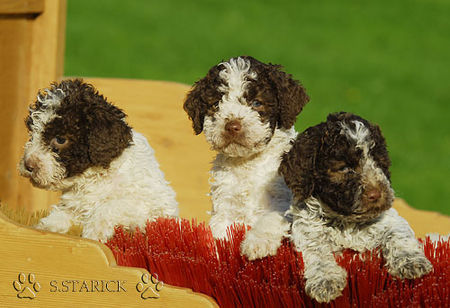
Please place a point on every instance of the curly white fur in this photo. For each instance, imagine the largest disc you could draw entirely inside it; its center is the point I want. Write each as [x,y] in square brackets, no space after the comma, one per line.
[49,171]
[319,231]
[236,76]
[243,190]
[318,239]
[131,191]
[245,184]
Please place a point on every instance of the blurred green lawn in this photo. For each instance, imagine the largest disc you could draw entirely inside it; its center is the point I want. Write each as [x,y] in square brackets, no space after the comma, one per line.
[388,61]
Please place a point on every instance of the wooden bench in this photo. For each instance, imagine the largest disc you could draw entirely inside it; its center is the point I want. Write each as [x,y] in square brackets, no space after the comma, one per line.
[32,47]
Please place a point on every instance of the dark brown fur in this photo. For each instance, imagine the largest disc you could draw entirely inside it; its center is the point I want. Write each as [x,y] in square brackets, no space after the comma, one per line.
[323,163]
[94,128]
[281,96]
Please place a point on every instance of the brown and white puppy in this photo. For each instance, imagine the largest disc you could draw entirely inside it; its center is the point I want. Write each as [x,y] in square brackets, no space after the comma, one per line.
[247,110]
[338,172]
[81,145]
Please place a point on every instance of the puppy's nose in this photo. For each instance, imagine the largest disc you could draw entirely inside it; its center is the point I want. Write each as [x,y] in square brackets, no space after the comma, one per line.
[29,164]
[373,194]
[233,127]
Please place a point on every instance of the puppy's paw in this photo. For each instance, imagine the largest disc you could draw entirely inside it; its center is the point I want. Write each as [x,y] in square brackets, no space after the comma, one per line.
[327,285]
[49,224]
[410,266]
[257,247]
[219,232]
[57,221]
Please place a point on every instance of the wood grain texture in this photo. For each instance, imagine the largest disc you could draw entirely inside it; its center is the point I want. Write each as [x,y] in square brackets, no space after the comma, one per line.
[423,222]
[31,56]
[55,260]
[21,6]
[14,72]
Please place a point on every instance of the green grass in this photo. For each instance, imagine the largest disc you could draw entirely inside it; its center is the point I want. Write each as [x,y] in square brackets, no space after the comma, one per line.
[388,61]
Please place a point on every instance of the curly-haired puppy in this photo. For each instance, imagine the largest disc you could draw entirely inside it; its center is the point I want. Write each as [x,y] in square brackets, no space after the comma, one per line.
[108,175]
[247,110]
[338,172]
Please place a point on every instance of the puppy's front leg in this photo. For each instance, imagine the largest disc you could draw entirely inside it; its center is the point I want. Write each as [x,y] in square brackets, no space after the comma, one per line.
[59,220]
[403,254]
[325,279]
[219,223]
[265,237]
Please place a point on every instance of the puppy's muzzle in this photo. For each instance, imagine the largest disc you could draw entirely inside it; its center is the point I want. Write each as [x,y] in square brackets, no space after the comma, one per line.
[373,194]
[30,163]
[29,166]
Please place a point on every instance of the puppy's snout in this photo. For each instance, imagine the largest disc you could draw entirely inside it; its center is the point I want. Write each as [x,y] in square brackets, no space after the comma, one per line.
[373,194]
[233,127]
[30,164]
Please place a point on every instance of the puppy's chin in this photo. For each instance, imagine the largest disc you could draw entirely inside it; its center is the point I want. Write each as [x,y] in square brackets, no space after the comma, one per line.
[53,186]
[238,148]
[363,210]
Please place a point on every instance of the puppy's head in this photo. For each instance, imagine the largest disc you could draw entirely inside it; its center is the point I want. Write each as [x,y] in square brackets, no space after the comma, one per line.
[345,164]
[71,127]
[241,102]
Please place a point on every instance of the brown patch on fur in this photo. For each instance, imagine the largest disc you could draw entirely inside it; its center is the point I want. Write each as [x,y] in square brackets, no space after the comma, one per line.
[323,163]
[203,99]
[282,98]
[95,129]
[337,171]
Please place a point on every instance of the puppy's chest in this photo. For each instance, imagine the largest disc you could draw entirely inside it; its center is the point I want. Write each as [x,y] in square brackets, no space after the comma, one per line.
[95,193]
[248,181]
[354,237]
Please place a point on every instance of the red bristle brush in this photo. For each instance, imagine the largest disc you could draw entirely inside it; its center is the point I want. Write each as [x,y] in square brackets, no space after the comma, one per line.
[185,254]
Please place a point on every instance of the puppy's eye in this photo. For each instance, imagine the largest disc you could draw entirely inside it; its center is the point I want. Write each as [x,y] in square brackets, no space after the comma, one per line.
[343,169]
[340,167]
[58,143]
[256,104]
[60,140]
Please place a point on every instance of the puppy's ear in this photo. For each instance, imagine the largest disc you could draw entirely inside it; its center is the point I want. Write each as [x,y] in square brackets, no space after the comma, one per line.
[195,106]
[298,165]
[108,133]
[196,102]
[291,96]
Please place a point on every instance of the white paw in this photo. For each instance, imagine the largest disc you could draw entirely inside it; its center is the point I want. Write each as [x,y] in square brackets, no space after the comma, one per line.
[327,285]
[410,266]
[256,247]
[219,231]
[48,224]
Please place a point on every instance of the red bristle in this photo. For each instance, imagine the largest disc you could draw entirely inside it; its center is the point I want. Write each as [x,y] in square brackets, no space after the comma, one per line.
[184,253]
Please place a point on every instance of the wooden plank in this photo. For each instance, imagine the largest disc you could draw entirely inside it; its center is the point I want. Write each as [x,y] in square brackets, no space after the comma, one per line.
[21,6]
[61,270]
[32,51]
[14,71]
[46,65]
[423,222]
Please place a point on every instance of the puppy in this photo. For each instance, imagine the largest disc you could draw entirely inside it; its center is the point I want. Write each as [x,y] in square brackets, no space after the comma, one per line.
[246,110]
[338,172]
[108,175]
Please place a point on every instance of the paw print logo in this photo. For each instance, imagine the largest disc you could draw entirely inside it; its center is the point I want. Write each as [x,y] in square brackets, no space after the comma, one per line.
[26,286]
[149,287]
